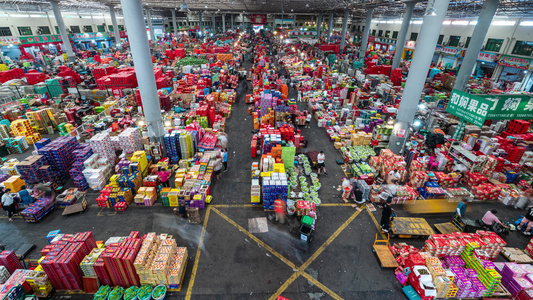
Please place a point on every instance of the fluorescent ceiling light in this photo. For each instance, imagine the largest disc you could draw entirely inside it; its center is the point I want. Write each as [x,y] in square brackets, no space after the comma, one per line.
[37,16]
[526,23]
[473,22]
[390,22]
[503,23]
[417,22]
[382,21]
[398,22]
[446,22]
[98,17]
[20,16]
[460,22]
[85,17]
[375,21]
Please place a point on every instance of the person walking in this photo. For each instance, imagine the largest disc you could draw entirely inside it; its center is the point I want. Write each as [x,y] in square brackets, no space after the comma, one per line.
[280,210]
[218,166]
[461,209]
[386,216]
[321,162]
[308,120]
[524,200]
[163,176]
[8,203]
[527,220]
[225,159]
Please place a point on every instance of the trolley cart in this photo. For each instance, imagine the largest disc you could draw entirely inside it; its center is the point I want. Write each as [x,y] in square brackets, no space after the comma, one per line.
[381,248]
[313,157]
[78,207]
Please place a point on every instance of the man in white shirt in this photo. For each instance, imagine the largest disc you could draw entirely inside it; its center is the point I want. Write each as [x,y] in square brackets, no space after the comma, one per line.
[308,120]
[321,160]
[8,203]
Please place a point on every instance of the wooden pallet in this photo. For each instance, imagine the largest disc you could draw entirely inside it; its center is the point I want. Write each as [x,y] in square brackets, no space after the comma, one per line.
[446,228]
[516,255]
[411,227]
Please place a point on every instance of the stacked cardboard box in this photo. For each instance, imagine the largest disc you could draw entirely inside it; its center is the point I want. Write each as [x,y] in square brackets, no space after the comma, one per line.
[62,260]
[9,260]
[119,259]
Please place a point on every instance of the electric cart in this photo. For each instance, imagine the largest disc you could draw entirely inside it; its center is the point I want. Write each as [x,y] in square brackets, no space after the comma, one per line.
[410,227]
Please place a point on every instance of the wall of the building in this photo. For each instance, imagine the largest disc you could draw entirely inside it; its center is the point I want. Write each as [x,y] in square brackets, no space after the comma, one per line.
[510,34]
[41,19]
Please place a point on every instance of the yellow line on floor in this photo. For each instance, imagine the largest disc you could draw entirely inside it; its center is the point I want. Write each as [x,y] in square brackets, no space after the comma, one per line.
[257,240]
[233,205]
[315,255]
[321,286]
[376,223]
[329,241]
[285,285]
[336,204]
[197,257]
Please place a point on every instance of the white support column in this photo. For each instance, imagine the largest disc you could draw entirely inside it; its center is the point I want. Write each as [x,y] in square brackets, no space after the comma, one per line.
[118,42]
[231,21]
[318,25]
[223,22]
[330,26]
[140,51]
[201,24]
[344,27]
[63,31]
[214,24]
[425,47]
[174,24]
[366,33]
[476,42]
[402,36]
[150,27]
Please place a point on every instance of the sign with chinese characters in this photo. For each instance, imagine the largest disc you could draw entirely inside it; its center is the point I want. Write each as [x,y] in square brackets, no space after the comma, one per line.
[510,107]
[91,36]
[40,39]
[471,108]
[410,45]
[6,41]
[258,19]
[448,50]
[514,61]
[487,56]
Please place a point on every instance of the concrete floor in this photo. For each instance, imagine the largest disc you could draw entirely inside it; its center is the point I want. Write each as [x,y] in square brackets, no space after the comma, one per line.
[233,264]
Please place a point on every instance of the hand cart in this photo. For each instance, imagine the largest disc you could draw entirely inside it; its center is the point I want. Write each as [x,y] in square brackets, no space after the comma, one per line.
[78,207]
[381,248]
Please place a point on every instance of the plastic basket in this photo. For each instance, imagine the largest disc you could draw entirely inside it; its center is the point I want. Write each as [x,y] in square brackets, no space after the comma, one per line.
[161,297]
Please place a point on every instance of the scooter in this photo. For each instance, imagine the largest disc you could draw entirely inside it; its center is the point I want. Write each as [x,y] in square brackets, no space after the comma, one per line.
[497,228]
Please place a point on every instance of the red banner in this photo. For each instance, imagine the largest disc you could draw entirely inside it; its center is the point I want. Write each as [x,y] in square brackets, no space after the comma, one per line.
[258,19]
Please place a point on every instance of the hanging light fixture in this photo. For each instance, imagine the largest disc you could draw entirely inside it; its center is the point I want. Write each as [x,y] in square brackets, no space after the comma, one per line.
[184,7]
[430,9]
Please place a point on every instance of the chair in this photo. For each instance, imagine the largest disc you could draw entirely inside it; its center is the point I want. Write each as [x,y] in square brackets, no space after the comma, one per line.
[433,163]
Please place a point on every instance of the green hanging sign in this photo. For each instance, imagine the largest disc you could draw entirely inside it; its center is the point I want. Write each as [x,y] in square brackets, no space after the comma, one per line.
[476,109]
[471,108]
[510,107]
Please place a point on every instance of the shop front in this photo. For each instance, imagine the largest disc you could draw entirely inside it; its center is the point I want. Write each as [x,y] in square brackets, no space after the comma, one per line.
[486,64]
[40,46]
[514,68]
[123,37]
[86,41]
[9,46]
[448,55]
[384,45]
[408,50]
